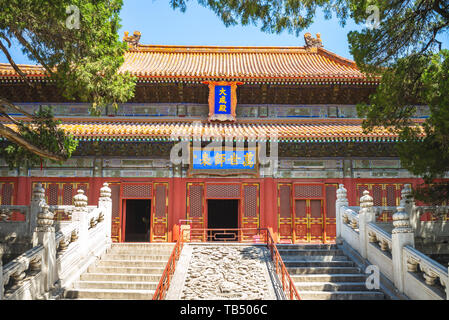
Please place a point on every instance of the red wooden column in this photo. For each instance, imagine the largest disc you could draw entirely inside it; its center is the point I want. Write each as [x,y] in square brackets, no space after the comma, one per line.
[269,200]
[351,189]
[23,191]
[95,184]
[177,203]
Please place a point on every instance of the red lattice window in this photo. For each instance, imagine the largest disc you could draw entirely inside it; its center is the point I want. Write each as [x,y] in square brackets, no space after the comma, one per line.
[161,201]
[300,209]
[377,195]
[285,203]
[196,201]
[331,198]
[136,191]
[67,195]
[223,191]
[315,209]
[250,200]
[52,194]
[115,196]
[392,195]
[308,191]
[7,190]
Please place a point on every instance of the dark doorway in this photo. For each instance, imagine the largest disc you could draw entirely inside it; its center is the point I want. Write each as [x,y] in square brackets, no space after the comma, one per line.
[138,215]
[223,214]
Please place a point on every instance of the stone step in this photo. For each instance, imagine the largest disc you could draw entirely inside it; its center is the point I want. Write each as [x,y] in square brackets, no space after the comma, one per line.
[313,263]
[322,270]
[109,294]
[131,263]
[331,286]
[154,252]
[347,277]
[314,258]
[126,269]
[306,246]
[116,285]
[142,246]
[120,277]
[141,249]
[344,295]
[136,257]
[313,252]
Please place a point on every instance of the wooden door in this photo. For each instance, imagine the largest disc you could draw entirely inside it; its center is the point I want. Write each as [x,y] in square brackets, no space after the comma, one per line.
[285,221]
[330,220]
[309,220]
[195,209]
[309,215]
[159,223]
[250,209]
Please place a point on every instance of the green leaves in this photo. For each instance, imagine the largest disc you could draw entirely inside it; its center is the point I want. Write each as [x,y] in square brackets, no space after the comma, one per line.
[43,133]
[84,61]
[424,150]
[77,42]
[275,16]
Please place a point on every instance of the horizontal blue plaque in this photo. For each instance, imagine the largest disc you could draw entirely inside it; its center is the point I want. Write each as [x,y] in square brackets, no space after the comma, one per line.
[224,160]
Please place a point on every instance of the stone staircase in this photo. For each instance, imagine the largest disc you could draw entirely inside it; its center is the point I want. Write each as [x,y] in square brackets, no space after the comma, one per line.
[324,272]
[127,271]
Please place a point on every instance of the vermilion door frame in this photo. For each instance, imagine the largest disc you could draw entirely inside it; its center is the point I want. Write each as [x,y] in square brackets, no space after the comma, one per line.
[308,217]
[206,207]
[123,206]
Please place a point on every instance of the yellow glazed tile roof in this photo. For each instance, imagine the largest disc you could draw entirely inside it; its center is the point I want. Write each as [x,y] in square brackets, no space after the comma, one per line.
[157,63]
[318,130]
[238,63]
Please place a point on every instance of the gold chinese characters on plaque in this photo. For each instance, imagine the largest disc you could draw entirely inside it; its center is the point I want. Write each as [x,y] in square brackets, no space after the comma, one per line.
[222,100]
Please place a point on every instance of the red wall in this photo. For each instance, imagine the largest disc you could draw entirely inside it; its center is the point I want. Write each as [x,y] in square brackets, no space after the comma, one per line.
[177,189]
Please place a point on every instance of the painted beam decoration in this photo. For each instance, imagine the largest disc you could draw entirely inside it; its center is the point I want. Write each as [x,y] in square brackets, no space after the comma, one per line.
[222,100]
[224,162]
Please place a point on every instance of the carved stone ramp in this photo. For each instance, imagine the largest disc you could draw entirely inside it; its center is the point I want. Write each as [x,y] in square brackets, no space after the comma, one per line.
[127,271]
[324,272]
[214,271]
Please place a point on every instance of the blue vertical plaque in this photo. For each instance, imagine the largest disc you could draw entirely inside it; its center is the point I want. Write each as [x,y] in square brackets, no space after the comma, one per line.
[222,100]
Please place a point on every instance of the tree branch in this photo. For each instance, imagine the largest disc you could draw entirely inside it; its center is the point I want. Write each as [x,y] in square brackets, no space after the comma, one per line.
[27,45]
[441,11]
[5,102]
[14,65]
[13,136]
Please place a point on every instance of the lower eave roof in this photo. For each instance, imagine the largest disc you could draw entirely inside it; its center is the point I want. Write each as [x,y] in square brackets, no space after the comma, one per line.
[309,130]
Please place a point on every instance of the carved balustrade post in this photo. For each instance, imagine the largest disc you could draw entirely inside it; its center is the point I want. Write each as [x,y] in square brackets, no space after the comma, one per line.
[45,235]
[408,203]
[402,235]
[366,215]
[342,200]
[105,202]
[79,215]
[37,202]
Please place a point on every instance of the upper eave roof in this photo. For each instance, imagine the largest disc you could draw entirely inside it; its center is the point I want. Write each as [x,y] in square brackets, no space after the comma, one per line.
[159,63]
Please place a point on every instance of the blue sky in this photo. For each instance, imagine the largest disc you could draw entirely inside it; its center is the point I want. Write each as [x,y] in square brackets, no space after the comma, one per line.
[160,24]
